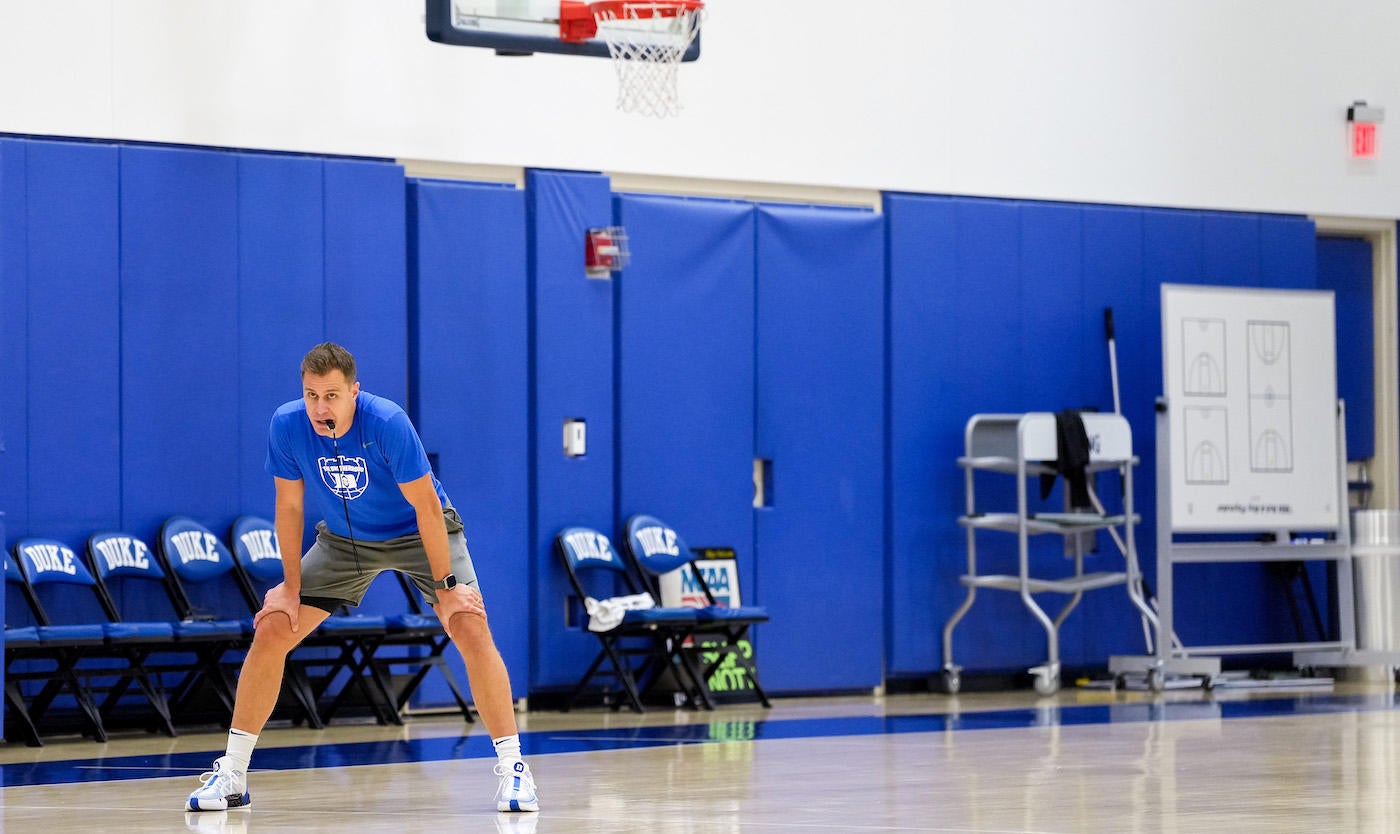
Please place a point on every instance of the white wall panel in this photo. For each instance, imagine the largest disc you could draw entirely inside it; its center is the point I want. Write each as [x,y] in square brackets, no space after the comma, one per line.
[1235,105]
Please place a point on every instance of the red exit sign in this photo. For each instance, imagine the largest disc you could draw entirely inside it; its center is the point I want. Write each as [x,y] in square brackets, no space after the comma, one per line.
[1365,140]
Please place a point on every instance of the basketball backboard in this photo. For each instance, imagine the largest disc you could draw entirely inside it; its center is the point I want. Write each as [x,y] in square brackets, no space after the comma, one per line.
[512,27]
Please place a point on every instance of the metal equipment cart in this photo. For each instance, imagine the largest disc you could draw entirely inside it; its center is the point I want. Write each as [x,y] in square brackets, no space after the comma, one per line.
[1027,446]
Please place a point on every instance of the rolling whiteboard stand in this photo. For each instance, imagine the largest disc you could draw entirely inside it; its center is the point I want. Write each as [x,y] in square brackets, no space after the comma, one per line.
[1251,439]
[1027,446]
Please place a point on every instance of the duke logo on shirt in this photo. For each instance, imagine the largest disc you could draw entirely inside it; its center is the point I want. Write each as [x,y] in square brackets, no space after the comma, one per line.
[346,477]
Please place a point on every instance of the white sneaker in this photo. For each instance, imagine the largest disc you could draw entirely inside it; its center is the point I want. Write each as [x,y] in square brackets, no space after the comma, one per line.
[224,788]
[517,790]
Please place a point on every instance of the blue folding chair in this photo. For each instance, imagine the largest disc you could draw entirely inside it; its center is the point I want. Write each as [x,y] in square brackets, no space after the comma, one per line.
[418,632]
[91,650]
[353,638]
[254,543]
[133,585]
[645,642]
[21,645]
[658,549]
[203,581]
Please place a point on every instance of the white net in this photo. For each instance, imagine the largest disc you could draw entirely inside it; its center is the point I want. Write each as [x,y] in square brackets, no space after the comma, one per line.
[647,41]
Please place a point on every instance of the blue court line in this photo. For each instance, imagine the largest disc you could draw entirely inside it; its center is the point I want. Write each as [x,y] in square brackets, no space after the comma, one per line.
[536,743]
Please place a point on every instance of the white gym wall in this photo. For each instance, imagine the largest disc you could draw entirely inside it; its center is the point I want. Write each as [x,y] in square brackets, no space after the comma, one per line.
[1196,103]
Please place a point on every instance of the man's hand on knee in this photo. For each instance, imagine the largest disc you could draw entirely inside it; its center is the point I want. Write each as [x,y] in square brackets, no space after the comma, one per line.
[463,599]
[280,598]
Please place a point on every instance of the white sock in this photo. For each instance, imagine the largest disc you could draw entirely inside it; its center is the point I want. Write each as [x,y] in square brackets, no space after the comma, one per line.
[507,748]
[240,749]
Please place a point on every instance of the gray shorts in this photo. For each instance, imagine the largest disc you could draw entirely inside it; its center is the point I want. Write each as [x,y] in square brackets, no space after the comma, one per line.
[332,573]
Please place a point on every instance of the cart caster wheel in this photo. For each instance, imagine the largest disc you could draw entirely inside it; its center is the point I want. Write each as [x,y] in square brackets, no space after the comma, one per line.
[952,682]
[1156,680]
[1046,684]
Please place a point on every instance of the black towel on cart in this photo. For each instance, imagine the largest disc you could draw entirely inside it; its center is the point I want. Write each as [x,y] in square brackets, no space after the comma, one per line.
[1072,461]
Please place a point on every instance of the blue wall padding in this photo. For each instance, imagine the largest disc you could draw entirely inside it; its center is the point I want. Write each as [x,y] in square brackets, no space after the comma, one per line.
[1289,260]
[179,328]
[178,282]
[181,288]
[988,291]
[1053,306]
[363,293]
[572,353]
[1240,603]
[1114,267]
[1114,270]
[926,494]
[1064,303]
[685,379]
[367,272]
[988,298]
[1231,249]
[1344,266]
[281,296]
[73,398]
[14,334]
[1288,253]
[1053,351]
[820,419]
[1025,254]
[1173,253]
[470,376]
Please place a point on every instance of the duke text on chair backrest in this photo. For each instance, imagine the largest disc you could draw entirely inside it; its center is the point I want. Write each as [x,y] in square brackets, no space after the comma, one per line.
[51,562]
[195,556]
[256,549]
[120,559]
[588,553]
[658,548]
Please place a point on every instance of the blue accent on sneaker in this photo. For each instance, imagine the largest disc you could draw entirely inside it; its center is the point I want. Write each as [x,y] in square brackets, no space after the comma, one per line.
[517,789]
[222,788]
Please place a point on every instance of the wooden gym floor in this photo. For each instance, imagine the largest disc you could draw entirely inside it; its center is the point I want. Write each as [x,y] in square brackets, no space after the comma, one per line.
[1322,759]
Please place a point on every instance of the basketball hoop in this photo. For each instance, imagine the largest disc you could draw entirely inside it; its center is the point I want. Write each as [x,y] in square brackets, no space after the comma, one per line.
[647,40]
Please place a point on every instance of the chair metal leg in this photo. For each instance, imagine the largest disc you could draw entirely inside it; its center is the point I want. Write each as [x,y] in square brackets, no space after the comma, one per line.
[87,706]
[382,669]
[14,696]
[355,660]
[699,680]
[587,676]
[155,696]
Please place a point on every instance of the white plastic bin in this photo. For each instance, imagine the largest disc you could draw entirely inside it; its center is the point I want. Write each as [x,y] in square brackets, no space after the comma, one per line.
[1375,544]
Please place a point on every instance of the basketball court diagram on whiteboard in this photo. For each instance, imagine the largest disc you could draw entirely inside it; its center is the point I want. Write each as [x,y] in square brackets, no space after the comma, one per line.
[1268,349]
[1270,396]
[1251,375]
[646,40]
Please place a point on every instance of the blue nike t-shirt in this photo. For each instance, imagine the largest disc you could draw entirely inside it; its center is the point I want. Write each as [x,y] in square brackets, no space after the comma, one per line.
[378,452]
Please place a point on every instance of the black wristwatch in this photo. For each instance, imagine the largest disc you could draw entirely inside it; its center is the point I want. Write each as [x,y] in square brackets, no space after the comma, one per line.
[446,583]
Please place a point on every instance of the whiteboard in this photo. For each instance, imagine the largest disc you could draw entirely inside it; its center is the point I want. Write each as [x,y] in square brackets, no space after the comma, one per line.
[1250,377]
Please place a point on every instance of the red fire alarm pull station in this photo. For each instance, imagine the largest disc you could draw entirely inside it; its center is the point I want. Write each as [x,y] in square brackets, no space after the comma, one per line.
[1363,130]
[606,251]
